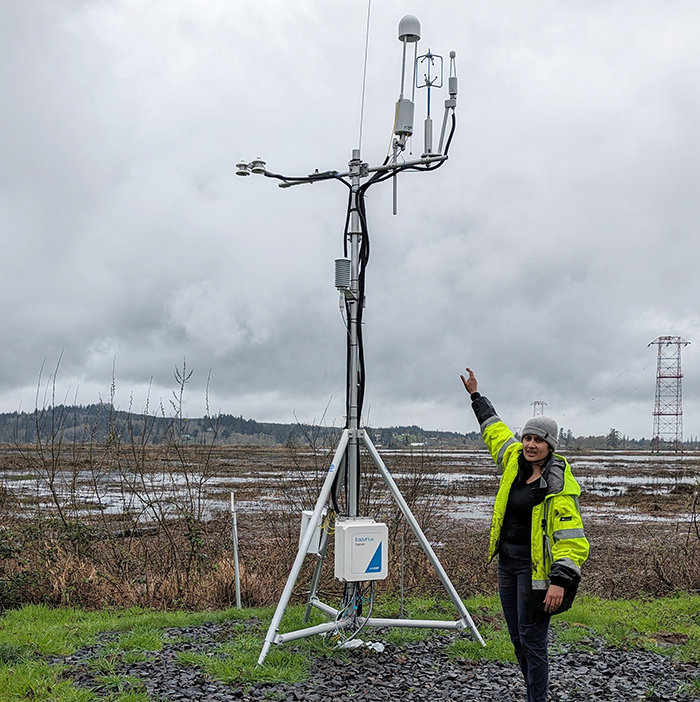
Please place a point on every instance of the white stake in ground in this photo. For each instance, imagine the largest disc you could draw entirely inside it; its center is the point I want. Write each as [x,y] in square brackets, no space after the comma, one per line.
[234,534]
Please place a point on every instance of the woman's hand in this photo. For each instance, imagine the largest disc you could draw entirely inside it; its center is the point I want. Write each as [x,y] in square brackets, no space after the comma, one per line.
[469,381]
[553,598]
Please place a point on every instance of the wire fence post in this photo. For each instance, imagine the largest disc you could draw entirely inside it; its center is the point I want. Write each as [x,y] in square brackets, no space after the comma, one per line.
[234,527]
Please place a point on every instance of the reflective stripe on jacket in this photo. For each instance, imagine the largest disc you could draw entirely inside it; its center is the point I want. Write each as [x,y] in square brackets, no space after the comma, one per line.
[558,543]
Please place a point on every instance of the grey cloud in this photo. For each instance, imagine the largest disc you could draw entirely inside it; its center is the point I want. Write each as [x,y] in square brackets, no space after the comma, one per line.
[557,241]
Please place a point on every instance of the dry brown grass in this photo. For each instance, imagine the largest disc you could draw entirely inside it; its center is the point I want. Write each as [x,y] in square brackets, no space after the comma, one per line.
[186,562]
[47,570]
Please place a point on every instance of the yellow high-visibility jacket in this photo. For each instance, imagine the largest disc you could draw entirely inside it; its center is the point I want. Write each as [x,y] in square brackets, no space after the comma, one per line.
[558,544]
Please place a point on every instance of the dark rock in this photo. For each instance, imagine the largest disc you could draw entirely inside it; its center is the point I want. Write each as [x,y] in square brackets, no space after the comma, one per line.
[415,672]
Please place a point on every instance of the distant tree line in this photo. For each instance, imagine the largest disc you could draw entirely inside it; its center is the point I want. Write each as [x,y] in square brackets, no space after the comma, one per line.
[102,423]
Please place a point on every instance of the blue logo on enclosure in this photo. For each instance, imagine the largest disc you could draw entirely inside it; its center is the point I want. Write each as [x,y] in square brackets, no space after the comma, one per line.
[375,565]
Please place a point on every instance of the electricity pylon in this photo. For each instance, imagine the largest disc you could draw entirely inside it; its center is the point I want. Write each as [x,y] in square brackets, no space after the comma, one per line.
[538,408]
[668,405]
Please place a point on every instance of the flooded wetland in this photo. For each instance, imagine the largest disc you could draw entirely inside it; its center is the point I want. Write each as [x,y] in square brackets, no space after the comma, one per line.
[641,511]
[615,486]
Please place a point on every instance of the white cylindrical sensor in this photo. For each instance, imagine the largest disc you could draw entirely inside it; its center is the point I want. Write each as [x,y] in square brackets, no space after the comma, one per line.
[342,273]
[428,135]
[404,117]
[452,85]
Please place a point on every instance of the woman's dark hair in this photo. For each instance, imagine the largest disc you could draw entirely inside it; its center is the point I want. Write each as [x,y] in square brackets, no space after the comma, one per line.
[525,469]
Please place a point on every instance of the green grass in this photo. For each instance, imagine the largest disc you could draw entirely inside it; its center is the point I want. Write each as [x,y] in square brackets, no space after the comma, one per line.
[691,688]
[142,638]
[627,624]
[235,662]
[40,630]
[38,681]
[33,632]
[29,634]
[633,623]
[120,684]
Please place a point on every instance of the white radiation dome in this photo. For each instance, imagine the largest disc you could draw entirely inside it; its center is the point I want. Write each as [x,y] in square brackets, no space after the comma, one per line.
[409,29]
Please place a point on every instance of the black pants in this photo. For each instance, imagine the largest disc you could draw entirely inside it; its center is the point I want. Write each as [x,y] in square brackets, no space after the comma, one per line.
[529,637]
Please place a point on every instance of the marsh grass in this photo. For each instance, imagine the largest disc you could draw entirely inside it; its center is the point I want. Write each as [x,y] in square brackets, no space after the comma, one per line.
[180,556]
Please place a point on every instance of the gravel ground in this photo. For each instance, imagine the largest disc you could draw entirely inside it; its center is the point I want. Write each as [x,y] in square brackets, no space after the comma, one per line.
[406,673]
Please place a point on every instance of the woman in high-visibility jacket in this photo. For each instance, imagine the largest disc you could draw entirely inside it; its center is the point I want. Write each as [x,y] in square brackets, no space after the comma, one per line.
[536,530]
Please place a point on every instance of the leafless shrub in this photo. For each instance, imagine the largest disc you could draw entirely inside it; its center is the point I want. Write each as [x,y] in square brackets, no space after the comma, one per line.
[672,559]
[154,547]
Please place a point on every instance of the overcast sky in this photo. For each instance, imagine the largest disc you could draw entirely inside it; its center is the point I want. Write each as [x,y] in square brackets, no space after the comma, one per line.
[557,242]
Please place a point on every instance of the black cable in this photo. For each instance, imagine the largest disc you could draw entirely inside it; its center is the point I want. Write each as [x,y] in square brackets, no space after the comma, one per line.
[380,177]
[300,180]
[347,225]
[447,145]
[364,260]
[348,302]
[359,206]
[356,204]
[452,132]
[347,351]
[334,496]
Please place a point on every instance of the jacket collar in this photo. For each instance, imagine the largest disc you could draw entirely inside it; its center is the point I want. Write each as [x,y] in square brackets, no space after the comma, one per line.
[552,478]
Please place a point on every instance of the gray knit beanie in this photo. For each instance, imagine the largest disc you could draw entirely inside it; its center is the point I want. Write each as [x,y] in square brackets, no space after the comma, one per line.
[544,427]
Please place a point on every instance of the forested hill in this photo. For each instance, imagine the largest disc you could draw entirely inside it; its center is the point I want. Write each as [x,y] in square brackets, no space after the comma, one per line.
[100,423]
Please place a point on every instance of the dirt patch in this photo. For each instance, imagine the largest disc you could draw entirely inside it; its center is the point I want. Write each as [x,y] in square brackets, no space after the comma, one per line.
[670,638]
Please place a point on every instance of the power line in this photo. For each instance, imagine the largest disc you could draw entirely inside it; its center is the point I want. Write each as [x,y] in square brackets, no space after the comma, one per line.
[600,397]
[601,407]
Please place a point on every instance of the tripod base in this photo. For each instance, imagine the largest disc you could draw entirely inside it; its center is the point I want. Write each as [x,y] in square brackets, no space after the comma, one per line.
[354,621]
